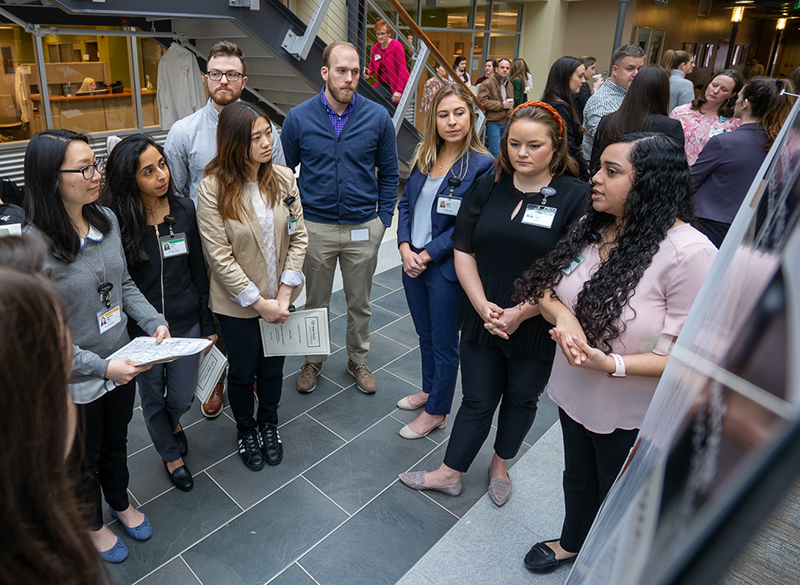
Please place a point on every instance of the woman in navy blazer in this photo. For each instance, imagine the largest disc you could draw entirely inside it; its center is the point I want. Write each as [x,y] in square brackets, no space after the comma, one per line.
[449,159]
[730,161]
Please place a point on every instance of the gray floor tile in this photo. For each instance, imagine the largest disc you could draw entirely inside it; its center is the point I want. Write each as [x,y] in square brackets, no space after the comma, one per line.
[381,351]
[360,470]
[485,549]
[338,303]
[179,520]
[351,412]
[414,577]
[174,572]
[394,302]
[408,367]
[391,279]
[304,443]
[294,575]
[402,331]
[383,320]
[147,476]
[275,532]
[378,291]
[138,437]
[293,403]
[366,549]
[475,482]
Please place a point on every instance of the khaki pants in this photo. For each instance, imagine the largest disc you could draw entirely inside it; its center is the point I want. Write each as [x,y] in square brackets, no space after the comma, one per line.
[327,243]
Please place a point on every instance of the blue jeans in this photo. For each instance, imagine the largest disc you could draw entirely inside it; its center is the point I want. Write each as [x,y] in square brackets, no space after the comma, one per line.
[493,134]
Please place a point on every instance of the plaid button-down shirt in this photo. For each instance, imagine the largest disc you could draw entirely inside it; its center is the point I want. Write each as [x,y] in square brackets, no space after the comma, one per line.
[337,120]
[604,101]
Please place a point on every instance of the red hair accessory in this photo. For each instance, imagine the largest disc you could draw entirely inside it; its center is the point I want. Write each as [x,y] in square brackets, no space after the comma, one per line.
[546,107]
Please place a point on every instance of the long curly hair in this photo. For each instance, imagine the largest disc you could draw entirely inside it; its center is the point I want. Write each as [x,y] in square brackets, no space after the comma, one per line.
[660,194]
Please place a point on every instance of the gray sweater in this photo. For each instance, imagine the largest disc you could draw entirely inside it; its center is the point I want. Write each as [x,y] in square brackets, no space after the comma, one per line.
[78,293]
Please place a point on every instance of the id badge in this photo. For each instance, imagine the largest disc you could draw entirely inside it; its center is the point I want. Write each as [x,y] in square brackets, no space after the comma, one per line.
[173,245]
[716,132]
[448,206]
[108,319]
[292,226]
[359,234]
[574,264]
[539,215]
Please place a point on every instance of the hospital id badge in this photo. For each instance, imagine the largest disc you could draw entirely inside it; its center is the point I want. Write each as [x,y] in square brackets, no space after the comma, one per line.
[574,264]
[292,226]
[173,245]
[108,319]
[448,205]
[539,215]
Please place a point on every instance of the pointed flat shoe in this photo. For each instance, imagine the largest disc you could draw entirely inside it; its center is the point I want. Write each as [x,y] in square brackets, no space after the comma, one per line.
[416,481]
[408,433]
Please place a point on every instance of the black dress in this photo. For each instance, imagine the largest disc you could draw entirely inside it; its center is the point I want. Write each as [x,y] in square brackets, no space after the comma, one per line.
[574,137]
[504,248]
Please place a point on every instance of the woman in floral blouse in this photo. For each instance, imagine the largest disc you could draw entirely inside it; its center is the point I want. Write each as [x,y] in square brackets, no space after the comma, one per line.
[711,113]
[431,87]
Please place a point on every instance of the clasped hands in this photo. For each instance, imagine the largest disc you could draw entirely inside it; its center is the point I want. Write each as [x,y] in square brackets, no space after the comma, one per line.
[569,336]
[413,264]
[501,322]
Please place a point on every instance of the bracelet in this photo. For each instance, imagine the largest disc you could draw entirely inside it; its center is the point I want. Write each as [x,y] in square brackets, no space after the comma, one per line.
[619,364]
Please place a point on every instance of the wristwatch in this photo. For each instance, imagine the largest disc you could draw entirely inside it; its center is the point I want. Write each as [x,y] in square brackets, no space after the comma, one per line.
[619,364]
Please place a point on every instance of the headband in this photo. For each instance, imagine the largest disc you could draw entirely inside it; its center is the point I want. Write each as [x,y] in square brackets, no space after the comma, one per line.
[547,108]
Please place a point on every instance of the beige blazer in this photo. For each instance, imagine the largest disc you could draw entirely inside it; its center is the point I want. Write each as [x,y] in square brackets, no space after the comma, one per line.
[235,250]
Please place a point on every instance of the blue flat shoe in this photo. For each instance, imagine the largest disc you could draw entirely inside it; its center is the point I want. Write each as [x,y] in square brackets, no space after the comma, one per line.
[141,532]
[116,554]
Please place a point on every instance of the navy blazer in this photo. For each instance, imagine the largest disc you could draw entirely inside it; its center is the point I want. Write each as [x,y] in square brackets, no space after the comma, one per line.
[724,171]
[440,248]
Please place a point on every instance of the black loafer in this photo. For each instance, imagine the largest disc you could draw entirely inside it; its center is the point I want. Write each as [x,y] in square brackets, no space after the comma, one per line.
[180,438]
[181,478]
[542,559]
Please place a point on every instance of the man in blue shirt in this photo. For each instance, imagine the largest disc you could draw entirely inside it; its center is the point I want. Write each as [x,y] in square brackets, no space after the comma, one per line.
[341,139]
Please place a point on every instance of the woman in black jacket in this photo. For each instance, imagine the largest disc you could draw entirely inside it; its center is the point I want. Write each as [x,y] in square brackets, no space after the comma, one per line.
[644,109]
[565,78]
[165,260]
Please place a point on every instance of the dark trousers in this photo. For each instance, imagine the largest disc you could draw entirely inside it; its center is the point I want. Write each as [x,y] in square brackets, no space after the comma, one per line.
[102,451]
[246,366]
[487,378]
[434,301]
[167,391]
[591,464]
[713,230]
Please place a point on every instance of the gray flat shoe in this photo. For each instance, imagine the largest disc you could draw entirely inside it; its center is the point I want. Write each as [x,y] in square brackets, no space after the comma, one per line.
[405,404]
[499,490]
[416,481]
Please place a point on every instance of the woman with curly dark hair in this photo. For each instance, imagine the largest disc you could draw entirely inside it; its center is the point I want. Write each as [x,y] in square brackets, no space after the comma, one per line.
[506,222]
[617,289]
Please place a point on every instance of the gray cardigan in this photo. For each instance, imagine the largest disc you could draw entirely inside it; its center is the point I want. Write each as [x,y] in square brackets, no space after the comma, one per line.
[681,90]
[77,288]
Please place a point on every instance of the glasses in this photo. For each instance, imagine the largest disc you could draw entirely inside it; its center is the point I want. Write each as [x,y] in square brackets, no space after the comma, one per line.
[88,170]
[233,76]
[383,34]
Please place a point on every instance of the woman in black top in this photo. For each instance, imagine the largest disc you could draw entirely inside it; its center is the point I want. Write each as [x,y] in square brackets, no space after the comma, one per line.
[506,222]
[165,260]
[565,78]
[644,109]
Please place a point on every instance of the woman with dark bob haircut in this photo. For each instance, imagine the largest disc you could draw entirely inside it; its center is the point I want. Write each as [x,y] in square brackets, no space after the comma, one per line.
[617,289]
[506,222]
[165,259]
[566,78]
[87,263]
[44,538]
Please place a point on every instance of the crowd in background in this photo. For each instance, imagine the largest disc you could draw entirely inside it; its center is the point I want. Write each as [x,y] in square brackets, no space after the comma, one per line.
[586,185]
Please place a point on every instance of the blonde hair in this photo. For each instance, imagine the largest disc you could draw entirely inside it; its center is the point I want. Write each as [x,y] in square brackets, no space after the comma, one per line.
[518,70]
[429,146]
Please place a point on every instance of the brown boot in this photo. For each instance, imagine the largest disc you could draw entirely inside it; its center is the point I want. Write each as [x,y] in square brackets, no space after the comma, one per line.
[213,406]
[364,378]
[307,379]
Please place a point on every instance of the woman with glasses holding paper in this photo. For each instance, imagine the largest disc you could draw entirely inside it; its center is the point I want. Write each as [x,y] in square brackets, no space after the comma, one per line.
[165,258]
[251,223]
[87,262]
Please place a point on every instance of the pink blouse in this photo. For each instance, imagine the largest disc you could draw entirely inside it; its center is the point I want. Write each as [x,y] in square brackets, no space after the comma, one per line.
[389,65]
[657,310]
[698,129]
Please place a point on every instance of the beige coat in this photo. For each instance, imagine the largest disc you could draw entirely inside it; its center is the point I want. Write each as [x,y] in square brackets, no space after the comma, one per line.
[235,250]
[491,96]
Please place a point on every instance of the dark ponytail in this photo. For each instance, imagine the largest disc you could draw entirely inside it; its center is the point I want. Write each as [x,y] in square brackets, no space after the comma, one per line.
[768,105]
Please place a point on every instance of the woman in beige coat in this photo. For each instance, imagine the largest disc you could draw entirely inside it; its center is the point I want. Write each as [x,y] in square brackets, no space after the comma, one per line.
[251,223]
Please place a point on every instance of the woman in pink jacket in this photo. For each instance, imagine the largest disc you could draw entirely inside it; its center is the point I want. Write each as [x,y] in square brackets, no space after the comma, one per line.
[387,62]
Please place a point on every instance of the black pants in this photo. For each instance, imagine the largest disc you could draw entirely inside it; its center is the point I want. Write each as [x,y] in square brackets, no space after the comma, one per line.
[246,366]
[591,464]
[713,230]
[102,452]
[487,378]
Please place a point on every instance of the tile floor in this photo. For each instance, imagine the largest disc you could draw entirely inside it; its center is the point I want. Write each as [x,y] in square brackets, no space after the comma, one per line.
[333,512]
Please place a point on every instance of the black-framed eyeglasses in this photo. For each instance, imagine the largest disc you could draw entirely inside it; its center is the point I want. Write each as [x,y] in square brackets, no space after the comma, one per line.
[88,170]
[233,76]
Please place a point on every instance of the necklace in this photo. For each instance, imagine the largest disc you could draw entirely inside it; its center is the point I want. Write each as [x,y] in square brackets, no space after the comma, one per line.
[104,287]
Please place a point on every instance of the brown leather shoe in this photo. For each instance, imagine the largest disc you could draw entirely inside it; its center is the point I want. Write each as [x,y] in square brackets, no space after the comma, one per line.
[213,406]
[307,379]
[364,378]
